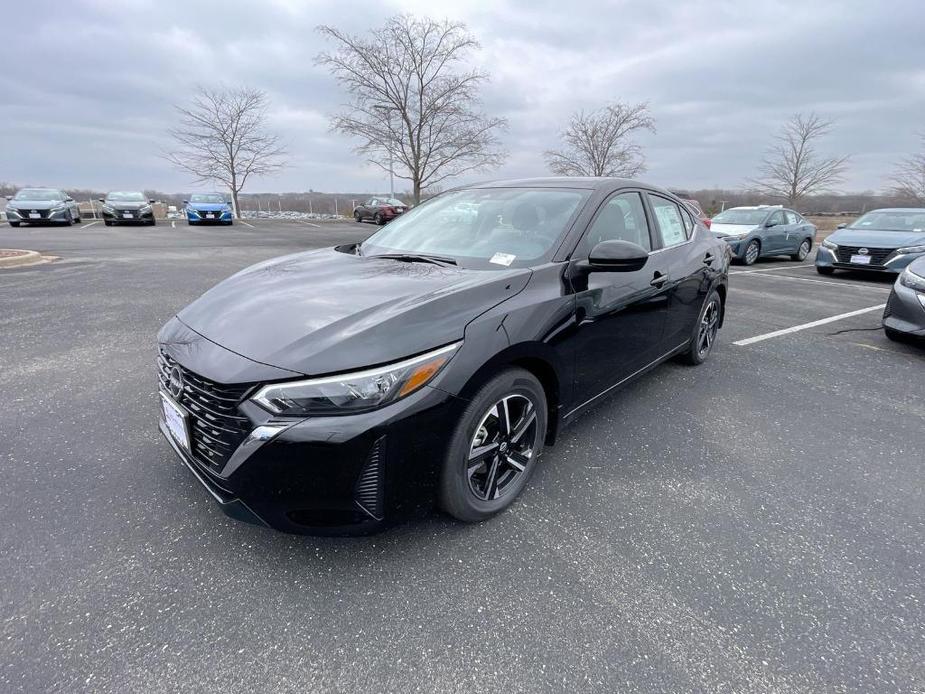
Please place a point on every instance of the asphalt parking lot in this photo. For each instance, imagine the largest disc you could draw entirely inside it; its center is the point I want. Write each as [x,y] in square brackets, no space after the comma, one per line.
[754,524]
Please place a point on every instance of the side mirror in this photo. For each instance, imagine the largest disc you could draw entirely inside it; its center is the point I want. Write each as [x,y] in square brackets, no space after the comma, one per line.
[9,197]
[102,199]
[151,202]
[68,199]
[616,256]
[770,223]
[186,202]
[842,225]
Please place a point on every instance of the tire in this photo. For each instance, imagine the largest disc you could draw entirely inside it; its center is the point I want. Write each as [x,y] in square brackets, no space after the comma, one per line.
[191,223]
[896,335]
[750,256]
[69,222]
[357,217]
[494,483]
[705,330]
[152,223]
[107,222]
[14,224]
[803,251]
[823,270]
[378,219]
[78,220]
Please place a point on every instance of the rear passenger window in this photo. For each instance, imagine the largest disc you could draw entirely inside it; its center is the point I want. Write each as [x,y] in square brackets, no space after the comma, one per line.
[621,219]
[793,217]
[670,221]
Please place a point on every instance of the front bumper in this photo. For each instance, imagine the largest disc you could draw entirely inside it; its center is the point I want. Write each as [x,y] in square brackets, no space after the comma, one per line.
[894,263]
[24,215]
[201,216]
[325,475]
[905,311]
[118,216]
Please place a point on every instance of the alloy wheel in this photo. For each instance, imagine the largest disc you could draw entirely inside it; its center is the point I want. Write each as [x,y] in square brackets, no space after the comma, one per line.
[709,326]
[751,253]
[804,250]
[502,448]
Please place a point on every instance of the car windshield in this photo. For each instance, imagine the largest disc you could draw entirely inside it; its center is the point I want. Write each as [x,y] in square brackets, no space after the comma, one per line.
[892,220]
[207,197]
[126,197]
[738,215]
[483,227]
[39,194]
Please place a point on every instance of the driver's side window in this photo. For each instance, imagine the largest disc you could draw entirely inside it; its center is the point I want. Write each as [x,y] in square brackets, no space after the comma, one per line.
[776,219]
[622,218]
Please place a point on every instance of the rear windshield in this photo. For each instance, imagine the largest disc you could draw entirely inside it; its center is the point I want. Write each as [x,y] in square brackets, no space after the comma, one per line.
[892,220]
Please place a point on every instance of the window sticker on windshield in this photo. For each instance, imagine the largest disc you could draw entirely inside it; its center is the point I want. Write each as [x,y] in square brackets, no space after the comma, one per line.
[504,259]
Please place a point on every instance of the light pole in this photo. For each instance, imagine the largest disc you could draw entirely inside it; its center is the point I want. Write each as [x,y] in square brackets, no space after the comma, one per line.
[388,111]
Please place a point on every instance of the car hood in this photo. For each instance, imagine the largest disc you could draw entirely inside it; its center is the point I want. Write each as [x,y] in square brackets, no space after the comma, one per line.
[120,205]
[325,311]
[727,229]
[35,204]
[208,206]
[877,239]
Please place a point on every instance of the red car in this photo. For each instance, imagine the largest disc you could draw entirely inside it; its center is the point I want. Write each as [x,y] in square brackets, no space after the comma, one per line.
[379,210]
[695,209]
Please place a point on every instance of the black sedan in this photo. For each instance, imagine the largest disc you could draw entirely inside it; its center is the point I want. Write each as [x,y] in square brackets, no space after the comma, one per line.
[379,210]
[328,390]
[127,207]
[904,315]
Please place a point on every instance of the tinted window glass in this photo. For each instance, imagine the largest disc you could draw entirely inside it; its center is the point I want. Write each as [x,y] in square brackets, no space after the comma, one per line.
[670,222]
[622,218]
[777,218]
[688,221]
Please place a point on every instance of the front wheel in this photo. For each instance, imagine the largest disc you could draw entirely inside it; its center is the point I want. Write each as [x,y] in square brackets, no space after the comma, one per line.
[705,331]
[752,251]
[494,447]
[378,219]
[14,224]
[824,270]
[802,251]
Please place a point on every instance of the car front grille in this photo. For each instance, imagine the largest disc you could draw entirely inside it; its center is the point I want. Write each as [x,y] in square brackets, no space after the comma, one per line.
[877,255]
[216,427]
[43,214]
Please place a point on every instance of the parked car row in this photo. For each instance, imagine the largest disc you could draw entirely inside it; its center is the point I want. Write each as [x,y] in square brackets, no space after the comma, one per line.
[53,206]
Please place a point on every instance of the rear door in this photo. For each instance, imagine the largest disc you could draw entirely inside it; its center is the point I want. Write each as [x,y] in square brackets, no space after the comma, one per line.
[686,261]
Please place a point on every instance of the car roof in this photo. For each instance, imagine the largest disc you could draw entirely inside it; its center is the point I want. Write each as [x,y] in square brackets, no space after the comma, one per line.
[584,182]
[918,210]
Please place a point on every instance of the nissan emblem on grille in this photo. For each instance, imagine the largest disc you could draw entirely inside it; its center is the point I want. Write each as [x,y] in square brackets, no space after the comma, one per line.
[175,384]
[863,251]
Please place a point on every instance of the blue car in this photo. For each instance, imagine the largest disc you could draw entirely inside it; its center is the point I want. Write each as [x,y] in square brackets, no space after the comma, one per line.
[757,232]
[884,240]
[208,208]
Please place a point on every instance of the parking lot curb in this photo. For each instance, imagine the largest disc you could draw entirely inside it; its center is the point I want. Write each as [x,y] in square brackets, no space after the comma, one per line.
[13,257]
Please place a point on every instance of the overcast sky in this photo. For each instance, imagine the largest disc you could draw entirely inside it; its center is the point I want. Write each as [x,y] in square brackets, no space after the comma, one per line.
[87,87]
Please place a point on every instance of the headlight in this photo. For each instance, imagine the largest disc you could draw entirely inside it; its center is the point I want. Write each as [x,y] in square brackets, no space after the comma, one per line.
[909,279]
[107,208]
[189,210]
[359,391]
[830,245]
[144,208]
[58,208]
[911,249]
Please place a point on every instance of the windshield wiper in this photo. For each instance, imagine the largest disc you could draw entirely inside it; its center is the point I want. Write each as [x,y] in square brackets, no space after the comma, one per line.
[416,258]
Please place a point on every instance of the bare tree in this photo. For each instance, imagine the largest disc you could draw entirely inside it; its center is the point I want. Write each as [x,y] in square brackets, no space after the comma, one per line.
[222,137]
[792,169]
[909,177]
[598,144]
[410,104]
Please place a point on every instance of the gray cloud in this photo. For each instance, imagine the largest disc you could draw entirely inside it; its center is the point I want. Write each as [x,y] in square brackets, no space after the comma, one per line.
[87,91]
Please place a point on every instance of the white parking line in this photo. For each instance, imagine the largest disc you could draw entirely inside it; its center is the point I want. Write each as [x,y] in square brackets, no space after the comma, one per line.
[806,326]
[771,269]
[90,224]
[246,224]
[317,226]
[850,285]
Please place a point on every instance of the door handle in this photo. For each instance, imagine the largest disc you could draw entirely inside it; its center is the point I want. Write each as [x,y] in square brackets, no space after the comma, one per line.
[659,279]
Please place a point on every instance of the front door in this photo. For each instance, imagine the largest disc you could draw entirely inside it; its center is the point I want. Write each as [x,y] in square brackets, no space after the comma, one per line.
[620,315]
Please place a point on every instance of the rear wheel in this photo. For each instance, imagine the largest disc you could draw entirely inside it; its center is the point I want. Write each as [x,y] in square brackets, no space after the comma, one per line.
[752,252]
[494,447]
[705,331]
[823,270]
[802,251]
